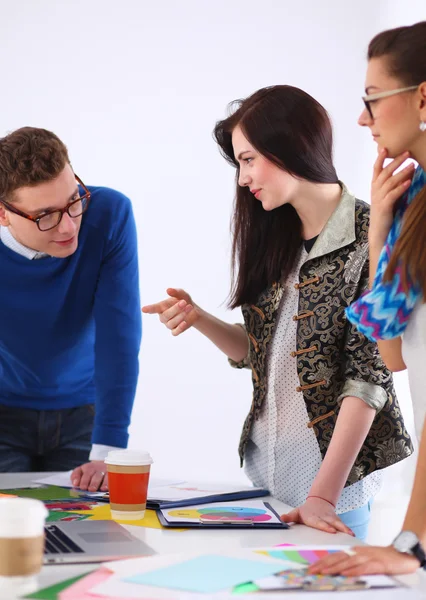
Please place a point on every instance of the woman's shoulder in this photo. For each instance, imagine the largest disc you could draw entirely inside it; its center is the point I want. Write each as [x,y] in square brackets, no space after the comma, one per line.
[353,206]
[362,209]
[362,220]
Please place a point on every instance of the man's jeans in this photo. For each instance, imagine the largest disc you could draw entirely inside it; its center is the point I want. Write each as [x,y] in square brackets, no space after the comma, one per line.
[44,440]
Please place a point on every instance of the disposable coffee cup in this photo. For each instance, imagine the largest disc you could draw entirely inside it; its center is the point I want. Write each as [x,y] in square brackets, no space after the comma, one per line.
[21,545]
[128,477]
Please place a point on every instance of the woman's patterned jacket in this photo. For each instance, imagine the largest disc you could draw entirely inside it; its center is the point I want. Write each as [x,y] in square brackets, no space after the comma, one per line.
[333,359]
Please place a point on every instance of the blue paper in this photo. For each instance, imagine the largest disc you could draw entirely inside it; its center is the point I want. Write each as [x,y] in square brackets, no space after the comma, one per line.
[206,574]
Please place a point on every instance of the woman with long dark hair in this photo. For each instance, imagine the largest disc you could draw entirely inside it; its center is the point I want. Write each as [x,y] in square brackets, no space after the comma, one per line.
[393,312]
[324,419]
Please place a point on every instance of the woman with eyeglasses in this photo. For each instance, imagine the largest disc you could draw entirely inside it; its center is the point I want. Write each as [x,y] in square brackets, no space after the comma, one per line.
[393,312]
[324,419]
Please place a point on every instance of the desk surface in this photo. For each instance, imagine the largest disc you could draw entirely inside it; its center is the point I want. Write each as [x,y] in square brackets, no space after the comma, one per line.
[165,541]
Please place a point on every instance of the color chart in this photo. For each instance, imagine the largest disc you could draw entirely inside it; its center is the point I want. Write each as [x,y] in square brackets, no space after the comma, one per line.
[257,512]
[301,556]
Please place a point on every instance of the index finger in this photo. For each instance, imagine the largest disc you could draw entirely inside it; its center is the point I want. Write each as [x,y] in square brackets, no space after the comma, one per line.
[332,560]
[378,163]
[88,472]
[76,476]
[95,481]
[319,523]
[159,307]
[104,487]
[340,526]
[387,171]
[341,566]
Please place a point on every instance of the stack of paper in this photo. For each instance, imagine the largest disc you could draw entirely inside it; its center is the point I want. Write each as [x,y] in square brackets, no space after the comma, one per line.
[192,576]
[163,493]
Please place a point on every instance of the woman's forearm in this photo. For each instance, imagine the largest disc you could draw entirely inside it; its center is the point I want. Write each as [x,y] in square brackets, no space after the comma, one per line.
[231,339]
[374,250]
[391,353]
[415,519]
[390,350]
[352,426]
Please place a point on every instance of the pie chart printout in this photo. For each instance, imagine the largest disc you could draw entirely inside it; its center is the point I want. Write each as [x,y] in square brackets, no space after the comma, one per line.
[223,513]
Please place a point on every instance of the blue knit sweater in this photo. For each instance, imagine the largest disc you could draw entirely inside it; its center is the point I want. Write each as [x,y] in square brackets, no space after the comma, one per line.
[70,328]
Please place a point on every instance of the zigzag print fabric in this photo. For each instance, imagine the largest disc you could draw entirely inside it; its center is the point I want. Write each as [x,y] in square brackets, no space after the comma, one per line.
[382,313]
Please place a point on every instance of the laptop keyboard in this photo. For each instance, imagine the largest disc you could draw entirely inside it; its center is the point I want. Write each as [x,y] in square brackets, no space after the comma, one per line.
[59,543]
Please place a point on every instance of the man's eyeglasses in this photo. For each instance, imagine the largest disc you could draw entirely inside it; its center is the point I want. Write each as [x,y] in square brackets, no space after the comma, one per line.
[51,219]
[373,97]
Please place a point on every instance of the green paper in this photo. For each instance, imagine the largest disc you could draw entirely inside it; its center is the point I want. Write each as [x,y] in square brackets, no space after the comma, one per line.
[58,515]
[52,492]
[295,557]
[52,592]
[245,588]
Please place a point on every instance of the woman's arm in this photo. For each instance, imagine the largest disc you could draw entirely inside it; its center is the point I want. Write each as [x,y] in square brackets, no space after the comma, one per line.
[390,350]
[179,313]
[352,426]
[386,189]
[415,519]
[364,394]
[371,560]
[231,339]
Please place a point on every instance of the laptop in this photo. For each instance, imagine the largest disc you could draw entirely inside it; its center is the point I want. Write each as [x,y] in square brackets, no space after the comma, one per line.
[90,541]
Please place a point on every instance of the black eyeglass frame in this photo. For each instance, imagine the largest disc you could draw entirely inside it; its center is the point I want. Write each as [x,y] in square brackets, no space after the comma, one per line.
[387,94]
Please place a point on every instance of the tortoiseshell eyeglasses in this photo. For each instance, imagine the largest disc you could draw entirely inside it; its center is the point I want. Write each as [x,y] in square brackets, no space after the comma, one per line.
[51,219]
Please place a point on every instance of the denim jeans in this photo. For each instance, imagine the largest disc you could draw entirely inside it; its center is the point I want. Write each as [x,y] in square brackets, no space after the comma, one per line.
[358,520]
[44,440]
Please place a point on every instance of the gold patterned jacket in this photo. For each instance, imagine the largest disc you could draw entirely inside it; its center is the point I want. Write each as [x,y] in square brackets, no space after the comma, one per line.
[334,360]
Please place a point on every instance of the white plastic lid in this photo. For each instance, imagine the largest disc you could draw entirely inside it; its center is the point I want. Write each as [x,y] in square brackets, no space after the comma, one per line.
[21,517]
[128,458]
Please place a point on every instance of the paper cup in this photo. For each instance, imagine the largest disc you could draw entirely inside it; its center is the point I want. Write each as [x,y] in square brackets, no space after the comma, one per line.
[21,544]
[128,477]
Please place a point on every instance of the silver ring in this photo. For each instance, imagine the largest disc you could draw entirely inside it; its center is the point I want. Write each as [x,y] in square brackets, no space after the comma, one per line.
[349,551]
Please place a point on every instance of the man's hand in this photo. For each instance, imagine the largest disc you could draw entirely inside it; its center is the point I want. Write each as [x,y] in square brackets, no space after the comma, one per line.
[91,476]
[366,560]
[318,514]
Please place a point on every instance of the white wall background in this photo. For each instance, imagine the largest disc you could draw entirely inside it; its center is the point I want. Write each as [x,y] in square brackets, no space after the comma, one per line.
[134,89]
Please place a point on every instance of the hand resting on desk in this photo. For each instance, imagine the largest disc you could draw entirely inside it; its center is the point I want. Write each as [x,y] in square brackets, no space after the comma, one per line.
[91,476]
[318,514]
[366,560]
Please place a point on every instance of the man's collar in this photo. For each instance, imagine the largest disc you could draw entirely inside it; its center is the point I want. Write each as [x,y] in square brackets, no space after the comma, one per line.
[13,244]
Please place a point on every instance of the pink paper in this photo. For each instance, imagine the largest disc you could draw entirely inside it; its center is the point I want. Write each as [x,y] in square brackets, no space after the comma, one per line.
[280,545]
[80,590]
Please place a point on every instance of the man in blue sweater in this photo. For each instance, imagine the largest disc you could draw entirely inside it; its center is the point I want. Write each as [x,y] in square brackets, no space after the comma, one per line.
[70,321]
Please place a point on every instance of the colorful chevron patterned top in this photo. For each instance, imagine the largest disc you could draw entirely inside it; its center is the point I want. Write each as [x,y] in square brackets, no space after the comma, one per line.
[382,313]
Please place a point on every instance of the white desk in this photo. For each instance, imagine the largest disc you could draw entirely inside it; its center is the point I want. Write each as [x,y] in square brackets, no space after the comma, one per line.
[167,541]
